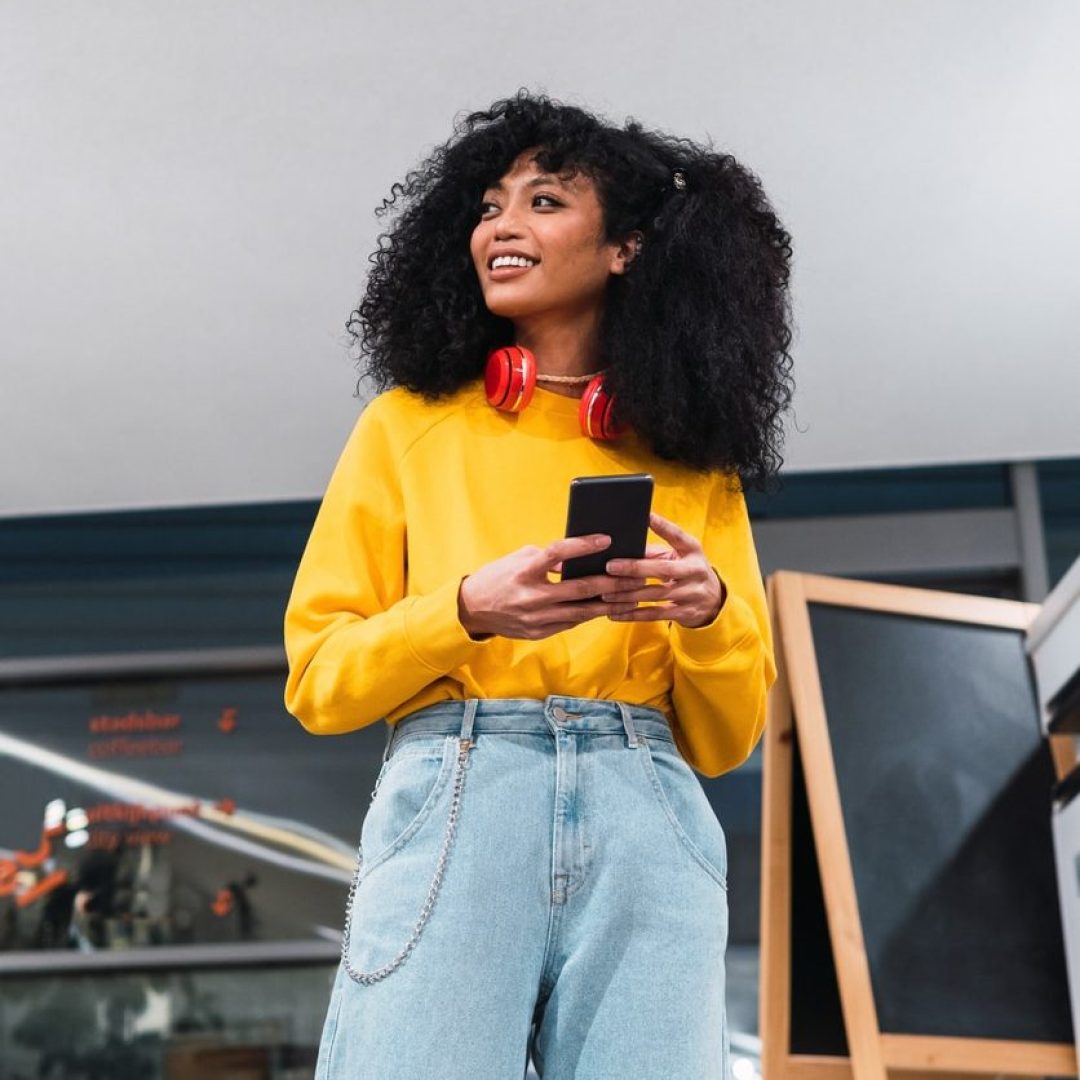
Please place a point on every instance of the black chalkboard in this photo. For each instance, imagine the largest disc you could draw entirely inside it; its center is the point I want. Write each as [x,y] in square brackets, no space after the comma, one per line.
[817,1019]
[944,782]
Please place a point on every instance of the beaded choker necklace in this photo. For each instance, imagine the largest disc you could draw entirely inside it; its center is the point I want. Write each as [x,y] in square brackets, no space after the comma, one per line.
[573,379]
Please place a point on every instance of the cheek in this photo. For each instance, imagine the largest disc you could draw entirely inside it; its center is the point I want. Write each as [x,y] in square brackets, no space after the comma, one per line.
[585,269]
[478,245]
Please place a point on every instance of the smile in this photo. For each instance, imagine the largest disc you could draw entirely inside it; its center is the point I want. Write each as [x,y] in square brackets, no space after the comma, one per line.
[512,260]
[509,270]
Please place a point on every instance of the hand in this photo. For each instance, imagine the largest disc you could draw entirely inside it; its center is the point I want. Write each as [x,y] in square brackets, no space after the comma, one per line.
[513,596]
[691,592]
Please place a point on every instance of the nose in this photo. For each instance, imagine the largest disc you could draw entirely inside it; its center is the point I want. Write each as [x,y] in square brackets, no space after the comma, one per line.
[508,223]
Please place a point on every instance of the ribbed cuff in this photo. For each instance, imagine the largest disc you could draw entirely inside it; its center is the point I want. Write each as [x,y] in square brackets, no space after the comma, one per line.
[434,631]
[707,644]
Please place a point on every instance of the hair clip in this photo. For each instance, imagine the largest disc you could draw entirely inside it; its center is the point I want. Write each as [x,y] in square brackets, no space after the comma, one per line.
[678,178]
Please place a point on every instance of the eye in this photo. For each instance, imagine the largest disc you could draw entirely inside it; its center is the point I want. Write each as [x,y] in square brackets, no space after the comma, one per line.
[550,198]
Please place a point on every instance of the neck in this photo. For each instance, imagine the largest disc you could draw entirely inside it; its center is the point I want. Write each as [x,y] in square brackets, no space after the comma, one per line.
[567,346]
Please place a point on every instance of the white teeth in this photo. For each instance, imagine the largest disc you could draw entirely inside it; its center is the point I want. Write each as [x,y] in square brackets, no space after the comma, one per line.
[511,260]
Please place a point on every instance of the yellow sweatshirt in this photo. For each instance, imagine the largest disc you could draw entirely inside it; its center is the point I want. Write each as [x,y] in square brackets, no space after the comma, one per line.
[426,493]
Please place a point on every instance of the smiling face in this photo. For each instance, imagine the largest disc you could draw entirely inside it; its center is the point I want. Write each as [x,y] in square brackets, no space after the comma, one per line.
[556,224]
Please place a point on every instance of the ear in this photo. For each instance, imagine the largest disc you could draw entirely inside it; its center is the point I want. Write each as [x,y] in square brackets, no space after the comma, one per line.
[627,252]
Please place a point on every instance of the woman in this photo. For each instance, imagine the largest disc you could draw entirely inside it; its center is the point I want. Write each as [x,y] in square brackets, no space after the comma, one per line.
[540,870]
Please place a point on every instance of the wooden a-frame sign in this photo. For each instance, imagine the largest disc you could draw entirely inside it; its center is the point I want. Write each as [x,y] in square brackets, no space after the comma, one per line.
[798,748]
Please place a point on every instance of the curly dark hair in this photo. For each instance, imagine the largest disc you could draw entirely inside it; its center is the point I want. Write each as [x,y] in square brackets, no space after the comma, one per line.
[695,335]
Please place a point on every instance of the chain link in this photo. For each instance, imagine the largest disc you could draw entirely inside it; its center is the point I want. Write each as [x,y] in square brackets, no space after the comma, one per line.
[368,977]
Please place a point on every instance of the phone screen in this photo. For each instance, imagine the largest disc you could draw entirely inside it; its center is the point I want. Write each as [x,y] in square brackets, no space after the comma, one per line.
[616,505]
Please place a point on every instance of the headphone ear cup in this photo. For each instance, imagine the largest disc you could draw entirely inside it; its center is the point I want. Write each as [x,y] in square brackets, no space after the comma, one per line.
[510,378]
[596,413]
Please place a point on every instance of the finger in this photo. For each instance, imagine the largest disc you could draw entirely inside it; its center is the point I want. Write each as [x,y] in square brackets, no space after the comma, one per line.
[617,587]
[657,613]
[648,592]
[668,569]
[562,592]
[678,538]
[659,551]
[601,611]
[576,613]
[571,546]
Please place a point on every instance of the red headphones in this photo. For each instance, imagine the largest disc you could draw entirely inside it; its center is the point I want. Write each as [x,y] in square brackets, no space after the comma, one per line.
[509,381]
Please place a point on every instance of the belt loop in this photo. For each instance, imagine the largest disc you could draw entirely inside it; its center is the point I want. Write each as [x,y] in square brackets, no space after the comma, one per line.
[390,729]
[467,720]
[632,738]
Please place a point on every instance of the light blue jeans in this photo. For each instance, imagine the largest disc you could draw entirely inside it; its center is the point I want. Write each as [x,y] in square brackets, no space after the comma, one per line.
[541,876]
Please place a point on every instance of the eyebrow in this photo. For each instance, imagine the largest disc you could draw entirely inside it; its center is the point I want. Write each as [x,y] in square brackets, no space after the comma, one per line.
[536,181]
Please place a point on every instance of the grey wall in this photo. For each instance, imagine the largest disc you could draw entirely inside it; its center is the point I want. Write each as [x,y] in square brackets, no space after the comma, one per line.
[186,197]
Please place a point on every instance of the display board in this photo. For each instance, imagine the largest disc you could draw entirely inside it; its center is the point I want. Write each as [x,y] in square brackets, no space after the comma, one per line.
[922,776]
[177,809]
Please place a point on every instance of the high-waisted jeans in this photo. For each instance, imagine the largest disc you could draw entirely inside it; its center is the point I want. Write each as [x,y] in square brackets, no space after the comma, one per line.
[541,876]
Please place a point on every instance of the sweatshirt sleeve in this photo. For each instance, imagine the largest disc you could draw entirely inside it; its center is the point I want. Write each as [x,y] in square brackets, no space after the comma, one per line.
[357,646]
[723,670]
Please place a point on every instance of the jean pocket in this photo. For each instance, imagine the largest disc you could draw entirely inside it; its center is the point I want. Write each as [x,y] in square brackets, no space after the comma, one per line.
[392,895]
[406,792]
[687,808]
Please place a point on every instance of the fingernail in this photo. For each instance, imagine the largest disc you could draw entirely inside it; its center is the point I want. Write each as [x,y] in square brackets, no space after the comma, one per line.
[614,566]
[602,541]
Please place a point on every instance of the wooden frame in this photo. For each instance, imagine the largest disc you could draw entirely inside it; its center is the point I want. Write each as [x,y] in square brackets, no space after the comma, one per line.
[872,1054]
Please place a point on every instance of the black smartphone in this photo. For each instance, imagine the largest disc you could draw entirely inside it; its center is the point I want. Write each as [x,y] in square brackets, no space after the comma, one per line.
[615,505]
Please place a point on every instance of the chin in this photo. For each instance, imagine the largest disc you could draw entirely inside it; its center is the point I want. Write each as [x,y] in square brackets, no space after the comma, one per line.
[508,308]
